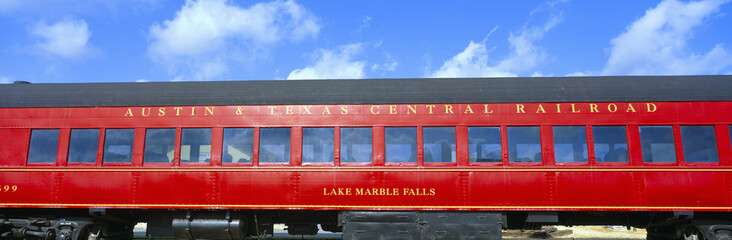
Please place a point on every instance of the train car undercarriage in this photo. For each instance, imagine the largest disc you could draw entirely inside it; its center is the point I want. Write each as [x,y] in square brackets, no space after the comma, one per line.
[71,224]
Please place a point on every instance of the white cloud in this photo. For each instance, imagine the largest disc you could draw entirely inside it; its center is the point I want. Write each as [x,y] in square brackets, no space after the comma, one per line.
[656,43]
[524,56]
[4,79]
[67,38]
[203,33]
[333,64]
[389,66]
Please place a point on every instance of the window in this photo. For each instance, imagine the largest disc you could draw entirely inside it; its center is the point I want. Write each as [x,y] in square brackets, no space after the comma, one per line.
[699,144]
[43,146]
[118,145]
[611,143]
[524,144]
[238,145]
[159,145]
[274,145]
[570,144]
[83,145]
[657,143]
[195,145]
[439,144]
[401,144]
[317,145]
[356,145]
[730,132]
[484,144]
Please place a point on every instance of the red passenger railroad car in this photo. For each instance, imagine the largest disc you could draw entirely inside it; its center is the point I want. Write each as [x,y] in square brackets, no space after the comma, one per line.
[385,158]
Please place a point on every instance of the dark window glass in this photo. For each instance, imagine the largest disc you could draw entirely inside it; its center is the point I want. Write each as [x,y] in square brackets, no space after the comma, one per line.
[570,144]
[401,144]
[274,145]
[83,145]
[356,145]
[484,144]
[238,145]
[699,143]
[159,145]
[730,132]
[118,145]
[195,145]
[439,144]
[657,143]
[43,146]
[524,144]
[317,145]
[611,143]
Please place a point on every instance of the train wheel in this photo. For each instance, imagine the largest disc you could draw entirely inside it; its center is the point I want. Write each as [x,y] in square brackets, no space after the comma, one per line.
[692,233]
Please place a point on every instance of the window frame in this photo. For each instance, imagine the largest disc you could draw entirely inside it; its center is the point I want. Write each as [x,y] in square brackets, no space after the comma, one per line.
[418,142]
[292,150]
[544,136]
[680,149]
[421,152]
[676,141]
[132,148]
[179,145]
[318,164]
[628,142]
[338,141]
[255,144]
[100,149]
[59,144]
[176,149]
[587,141]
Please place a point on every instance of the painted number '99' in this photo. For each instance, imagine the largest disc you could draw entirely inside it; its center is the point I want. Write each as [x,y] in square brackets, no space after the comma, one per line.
[8,188]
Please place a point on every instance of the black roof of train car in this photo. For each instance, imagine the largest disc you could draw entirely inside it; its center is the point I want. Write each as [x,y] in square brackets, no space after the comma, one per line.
[371,91]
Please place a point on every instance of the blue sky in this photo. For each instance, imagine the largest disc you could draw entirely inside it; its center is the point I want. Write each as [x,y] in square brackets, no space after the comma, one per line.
[54,41]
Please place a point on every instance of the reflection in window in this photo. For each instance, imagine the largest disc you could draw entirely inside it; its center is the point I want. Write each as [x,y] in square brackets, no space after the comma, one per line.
[356,145]
[118,145]
[570,144]
[238,145]
[611,143]
[159,145]
[195,145]
[401,144]
[317,145]
[484,144]
[43,146]
[657,143]
[83,145]
[439,144]
[274,145]
[524,144]
[699,143]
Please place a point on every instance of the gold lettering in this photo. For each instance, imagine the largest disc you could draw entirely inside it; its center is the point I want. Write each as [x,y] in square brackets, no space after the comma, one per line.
[325,111]
[412,108]
[540,109]
[372,109]
[520,108]
[593,108]
[193,111]
[485,107]
[630,108]
[574,110]
[468,109]
[430,107]
[448,109]
[559,109]
[653,109]
[148,112]
[209,110]
[272,109]
[344,110]
[288,110]
[239,111]
[161,112]
[177,110]
[392,109]
[307,109]
[129,113]
[612,107]
[432,192]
